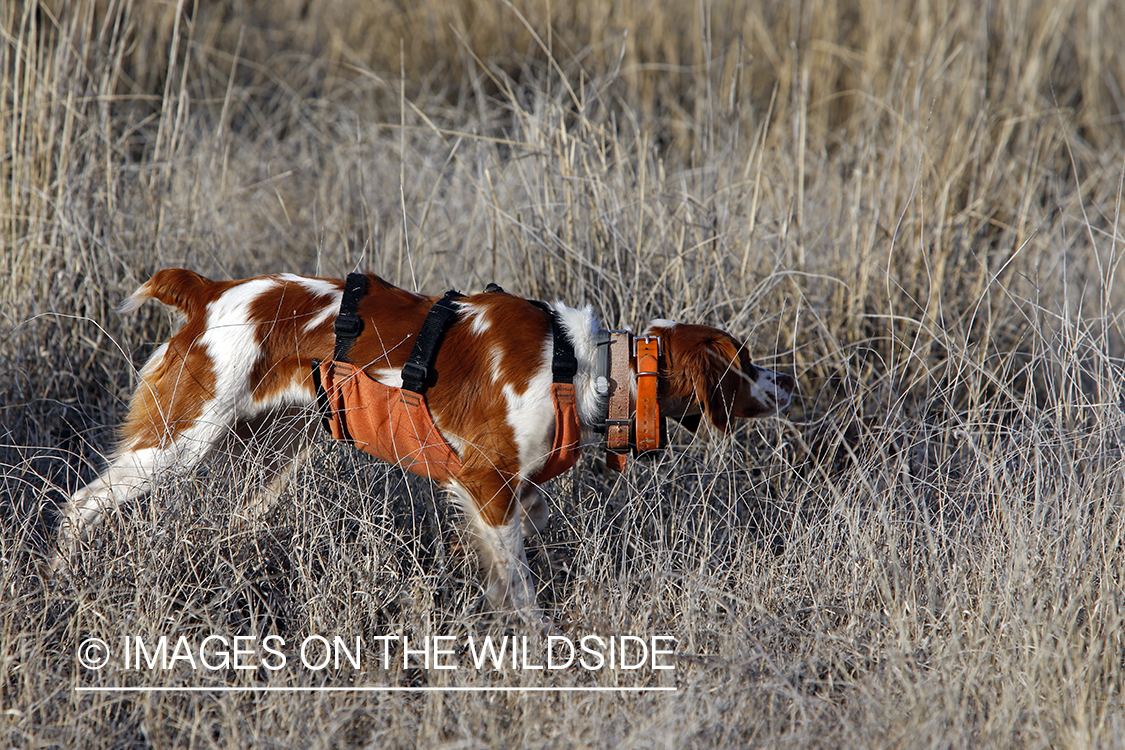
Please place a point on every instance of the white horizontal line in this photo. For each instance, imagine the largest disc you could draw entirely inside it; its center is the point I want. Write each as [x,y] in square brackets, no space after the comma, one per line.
[368,689]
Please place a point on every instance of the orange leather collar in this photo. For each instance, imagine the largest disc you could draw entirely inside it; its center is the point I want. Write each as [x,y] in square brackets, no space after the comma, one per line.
[647,352]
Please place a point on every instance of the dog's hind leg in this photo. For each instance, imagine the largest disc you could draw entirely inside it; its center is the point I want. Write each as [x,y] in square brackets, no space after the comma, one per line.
[130,474]
[175,419]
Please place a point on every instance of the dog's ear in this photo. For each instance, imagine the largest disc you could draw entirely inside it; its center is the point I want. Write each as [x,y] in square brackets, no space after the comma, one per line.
[701,365]
[716,377]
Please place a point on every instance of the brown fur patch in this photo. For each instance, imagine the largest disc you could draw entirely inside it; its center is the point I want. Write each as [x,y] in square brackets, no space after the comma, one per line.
[287,349]
[171,396]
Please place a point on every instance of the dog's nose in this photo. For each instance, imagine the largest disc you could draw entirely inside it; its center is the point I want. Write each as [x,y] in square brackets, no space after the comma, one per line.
[785,382]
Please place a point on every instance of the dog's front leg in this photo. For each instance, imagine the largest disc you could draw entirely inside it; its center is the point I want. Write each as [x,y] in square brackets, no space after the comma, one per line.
[492,506]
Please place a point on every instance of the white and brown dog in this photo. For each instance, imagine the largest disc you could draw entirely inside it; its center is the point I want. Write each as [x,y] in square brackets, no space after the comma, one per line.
[247,352]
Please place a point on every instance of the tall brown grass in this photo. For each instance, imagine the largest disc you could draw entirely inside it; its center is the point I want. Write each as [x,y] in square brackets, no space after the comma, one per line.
[913,207]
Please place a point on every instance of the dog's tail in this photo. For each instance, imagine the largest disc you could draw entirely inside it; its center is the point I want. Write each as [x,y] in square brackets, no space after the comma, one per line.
[180,288]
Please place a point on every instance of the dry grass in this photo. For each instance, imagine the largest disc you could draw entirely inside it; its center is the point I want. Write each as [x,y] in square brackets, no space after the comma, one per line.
[915,208]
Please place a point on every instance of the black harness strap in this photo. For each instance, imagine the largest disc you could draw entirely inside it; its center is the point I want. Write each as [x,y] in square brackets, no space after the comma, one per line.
[348,324]
[440,317]
[564,365]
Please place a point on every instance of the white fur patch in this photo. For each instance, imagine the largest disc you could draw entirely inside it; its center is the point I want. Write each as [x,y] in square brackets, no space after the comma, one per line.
[230,343]
[532,414]
[154,360]
[388,376]
[582,326]
[132,302]
[475,316]
[495,357]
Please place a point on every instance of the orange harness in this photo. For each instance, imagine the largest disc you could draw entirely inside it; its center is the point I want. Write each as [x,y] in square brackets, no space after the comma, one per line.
[395,424]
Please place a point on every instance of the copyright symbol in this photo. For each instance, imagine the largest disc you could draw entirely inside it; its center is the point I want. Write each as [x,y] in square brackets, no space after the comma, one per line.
[93,653]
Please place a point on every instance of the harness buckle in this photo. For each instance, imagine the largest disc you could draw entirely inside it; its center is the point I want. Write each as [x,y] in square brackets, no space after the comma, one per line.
[348,326]
[566,366]
[414,376]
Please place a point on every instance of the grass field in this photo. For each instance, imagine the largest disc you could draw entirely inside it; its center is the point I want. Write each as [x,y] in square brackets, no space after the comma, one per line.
[914,208]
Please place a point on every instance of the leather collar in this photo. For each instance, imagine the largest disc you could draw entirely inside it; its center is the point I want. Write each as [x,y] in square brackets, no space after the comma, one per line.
[632,422]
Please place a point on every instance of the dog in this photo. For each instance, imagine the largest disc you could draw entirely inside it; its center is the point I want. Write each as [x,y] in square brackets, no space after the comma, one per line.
[250,355]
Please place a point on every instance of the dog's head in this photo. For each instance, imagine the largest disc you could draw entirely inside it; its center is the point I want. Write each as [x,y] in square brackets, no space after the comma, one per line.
[705,370]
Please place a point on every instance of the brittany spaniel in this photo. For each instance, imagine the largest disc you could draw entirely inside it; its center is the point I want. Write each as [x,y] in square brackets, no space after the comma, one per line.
[248,353]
